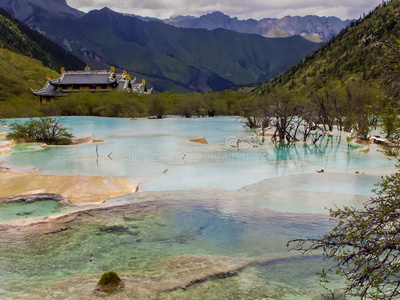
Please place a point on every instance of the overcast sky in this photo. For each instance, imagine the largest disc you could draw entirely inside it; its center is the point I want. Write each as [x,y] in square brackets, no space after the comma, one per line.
[243,9]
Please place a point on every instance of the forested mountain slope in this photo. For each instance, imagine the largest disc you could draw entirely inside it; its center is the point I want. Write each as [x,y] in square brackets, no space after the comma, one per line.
[18,74]
[354,55]
[18,38]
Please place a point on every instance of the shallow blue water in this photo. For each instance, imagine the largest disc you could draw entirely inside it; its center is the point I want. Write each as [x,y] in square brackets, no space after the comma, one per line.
[126,240]
[146,148]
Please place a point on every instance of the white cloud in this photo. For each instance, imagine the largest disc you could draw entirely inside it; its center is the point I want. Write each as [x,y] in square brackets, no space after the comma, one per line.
[256,9]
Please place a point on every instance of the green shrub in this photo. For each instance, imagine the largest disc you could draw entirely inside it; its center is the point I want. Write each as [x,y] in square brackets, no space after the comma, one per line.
[109,282]
[45,130]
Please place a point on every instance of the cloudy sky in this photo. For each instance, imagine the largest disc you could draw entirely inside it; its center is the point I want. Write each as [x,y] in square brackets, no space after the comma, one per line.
[243,9]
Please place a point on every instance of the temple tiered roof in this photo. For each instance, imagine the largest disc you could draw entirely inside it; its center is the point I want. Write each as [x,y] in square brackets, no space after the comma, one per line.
[86,77]
[88,80]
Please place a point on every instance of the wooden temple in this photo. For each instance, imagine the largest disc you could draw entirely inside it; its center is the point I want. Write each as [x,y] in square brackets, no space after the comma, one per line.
[88,80]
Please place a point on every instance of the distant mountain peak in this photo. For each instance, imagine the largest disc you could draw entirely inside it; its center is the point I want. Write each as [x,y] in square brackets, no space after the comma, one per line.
[216,13]
[106,9]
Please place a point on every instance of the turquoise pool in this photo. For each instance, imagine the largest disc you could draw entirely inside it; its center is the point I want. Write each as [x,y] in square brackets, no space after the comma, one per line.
[147,148]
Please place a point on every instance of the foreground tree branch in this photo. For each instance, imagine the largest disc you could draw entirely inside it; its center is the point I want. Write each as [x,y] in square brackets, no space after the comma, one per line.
[365,244]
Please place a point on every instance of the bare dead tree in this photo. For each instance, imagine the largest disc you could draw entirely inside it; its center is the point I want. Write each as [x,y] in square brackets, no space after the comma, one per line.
[284,119]
[327,103]
[310,129]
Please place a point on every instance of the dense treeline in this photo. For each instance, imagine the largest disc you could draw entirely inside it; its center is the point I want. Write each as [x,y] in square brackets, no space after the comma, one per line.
[132,105]
[292,116]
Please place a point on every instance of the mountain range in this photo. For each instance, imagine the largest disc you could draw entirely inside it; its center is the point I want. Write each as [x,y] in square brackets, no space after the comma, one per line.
[314,28]
[169,57]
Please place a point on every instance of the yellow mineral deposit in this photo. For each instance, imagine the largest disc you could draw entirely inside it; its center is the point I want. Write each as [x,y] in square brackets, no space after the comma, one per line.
[76,188]
[200,140]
